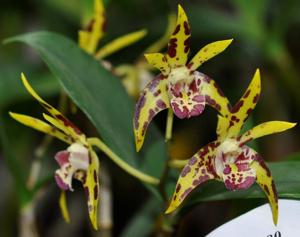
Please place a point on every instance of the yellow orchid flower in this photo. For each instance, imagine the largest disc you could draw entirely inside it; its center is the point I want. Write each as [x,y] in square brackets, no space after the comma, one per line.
[90,37]
[179,86]
[228,159]
[79,160]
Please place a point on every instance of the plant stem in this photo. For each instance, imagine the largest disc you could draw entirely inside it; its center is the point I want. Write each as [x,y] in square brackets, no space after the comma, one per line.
[94,141]
[169,128]
[168,136]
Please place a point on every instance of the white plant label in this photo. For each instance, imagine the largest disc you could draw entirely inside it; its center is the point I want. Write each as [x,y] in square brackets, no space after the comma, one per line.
[258,222]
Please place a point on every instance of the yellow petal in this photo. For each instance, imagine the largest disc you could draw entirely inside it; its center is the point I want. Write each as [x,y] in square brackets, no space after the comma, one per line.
[266,128]
[222,128]
[120,43]
[63,206]
[265,181]
[179,43]
[208,52]
[91,187]
[158,61]
[41,126]
[242,109]
[163,41]
[214,96]
[195,172]
[62,120]
[89,39]
[152,100]
[69,132]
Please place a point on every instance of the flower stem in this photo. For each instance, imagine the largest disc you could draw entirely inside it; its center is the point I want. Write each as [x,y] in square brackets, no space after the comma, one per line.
[94,141]
[168,136]
[169,127]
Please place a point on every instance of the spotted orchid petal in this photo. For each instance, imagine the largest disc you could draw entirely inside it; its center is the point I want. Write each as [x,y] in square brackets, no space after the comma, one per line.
[207,52]
[159,61]
[265,181]
[198,170]
[91,187]
[179,43]
[152,100]
[265,129]
[89,38]
[214,96]
[120,43]
[185,99]
[63,206]
[66,125]
[41,126]
[242,109]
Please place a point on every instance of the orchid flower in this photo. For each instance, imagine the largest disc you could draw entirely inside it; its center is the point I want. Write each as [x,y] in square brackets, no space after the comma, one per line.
[228,159]
[79,160]
[179,86]
[89,38]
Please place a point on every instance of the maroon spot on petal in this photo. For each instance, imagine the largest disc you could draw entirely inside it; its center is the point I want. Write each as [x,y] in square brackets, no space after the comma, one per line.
[178,187]
[186,28]
[189,65]
[212,102]
[200,180]
[151,115]
[274,191]
[145,125]
[246,94]
[176,30]
[192,161]
[256,98]
[156,93]
[67,123]
[161,104]
[139,105]
[186,192]
[237,106]
[187,44]
[95,176]
[267,189]
[95,191]
[172,47]
[185,171]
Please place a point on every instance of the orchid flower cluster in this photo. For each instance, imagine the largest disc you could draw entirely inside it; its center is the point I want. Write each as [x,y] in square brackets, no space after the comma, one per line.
[182,90]
[185,92]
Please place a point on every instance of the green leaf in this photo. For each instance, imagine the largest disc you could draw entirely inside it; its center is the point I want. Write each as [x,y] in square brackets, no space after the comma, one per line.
[286,177]
[143,221]
[99,94]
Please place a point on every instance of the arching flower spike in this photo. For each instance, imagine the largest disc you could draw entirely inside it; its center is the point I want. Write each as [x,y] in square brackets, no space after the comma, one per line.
[94,32]
[228,159]
[179,85]
[78,161]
